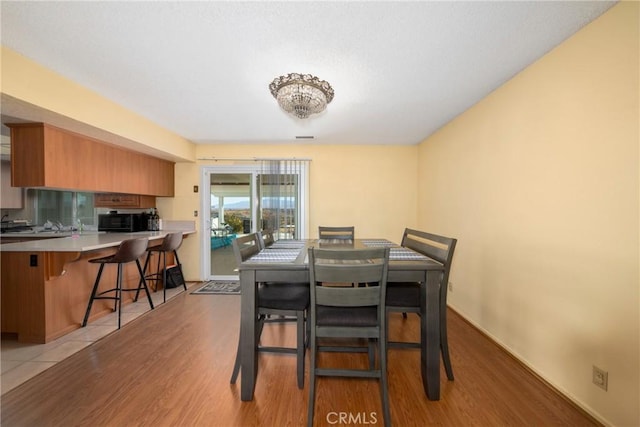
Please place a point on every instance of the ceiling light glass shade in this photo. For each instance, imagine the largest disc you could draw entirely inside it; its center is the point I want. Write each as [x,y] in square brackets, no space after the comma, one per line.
[301,94]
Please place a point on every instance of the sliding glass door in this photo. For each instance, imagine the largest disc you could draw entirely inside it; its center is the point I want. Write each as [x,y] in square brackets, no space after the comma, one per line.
[232,215]
[243,199]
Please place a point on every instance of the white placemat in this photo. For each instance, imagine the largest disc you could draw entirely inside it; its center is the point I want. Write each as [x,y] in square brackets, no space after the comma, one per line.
[402,254]
[275,255]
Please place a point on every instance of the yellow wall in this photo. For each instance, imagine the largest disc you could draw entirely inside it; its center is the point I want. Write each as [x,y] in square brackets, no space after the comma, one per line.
[540,183]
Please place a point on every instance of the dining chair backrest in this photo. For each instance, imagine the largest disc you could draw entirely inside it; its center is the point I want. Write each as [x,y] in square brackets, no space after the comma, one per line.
[340,233]
[329,266]
[265,237]
[436,247]
[244,247]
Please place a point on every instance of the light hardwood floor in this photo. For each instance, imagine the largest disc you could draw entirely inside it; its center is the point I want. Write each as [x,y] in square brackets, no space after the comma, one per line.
[171,367]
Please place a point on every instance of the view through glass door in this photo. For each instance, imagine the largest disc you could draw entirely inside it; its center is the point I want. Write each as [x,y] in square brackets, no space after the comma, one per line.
[246,199]
[231,216]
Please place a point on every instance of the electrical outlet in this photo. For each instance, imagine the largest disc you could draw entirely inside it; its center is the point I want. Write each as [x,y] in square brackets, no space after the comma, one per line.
[600,377]
[195,213]
[450,286]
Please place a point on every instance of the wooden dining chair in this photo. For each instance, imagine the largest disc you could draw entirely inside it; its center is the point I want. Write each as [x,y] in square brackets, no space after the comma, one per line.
[343,312]
[265,238]
[276,303]
[338,233]
[405,297]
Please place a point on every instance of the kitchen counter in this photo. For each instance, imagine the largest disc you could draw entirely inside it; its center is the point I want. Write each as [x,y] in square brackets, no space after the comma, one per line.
[89,241]
[25,236]
[47,234]
[46,283]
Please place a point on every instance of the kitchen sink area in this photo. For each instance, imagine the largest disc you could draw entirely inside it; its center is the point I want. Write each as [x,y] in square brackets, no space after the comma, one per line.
[14,226]
[11,231]
[19,231]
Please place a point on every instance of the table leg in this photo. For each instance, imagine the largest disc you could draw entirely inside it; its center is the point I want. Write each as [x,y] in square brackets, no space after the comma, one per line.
[248,353]
[430,335]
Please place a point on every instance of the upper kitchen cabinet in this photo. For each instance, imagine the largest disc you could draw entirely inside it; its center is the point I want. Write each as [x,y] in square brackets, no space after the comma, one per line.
[48,157]
[10,197]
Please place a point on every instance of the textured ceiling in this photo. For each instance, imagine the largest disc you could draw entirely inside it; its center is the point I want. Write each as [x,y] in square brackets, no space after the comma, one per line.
[400,70]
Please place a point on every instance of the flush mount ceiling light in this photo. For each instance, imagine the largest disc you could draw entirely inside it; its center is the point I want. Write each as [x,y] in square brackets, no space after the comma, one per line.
[301,94]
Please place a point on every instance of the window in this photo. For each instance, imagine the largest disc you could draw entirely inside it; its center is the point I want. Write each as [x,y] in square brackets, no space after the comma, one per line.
[65,207]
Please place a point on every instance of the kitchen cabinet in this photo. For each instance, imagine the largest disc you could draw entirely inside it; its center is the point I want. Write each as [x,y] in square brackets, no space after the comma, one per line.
[10,197]
[44,156]
[107,200]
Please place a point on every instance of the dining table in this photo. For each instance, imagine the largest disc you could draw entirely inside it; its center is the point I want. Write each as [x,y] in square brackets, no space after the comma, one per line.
[286,261]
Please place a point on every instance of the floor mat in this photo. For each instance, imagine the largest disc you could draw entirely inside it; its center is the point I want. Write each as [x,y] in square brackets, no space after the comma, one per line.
[219,287]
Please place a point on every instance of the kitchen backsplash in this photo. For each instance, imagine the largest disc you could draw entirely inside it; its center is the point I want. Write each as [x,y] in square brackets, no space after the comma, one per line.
[59,206]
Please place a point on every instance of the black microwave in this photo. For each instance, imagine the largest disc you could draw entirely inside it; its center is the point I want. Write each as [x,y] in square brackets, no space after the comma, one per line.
[122,222]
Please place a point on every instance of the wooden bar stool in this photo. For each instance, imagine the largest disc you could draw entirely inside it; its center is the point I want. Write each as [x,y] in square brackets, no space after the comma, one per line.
[170,243]
[128,251]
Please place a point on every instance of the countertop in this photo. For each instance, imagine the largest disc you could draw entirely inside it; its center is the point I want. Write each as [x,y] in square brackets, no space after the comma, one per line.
[84,242]
[31,234]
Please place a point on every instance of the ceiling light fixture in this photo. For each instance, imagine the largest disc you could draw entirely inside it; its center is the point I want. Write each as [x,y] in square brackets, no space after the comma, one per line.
[301,94]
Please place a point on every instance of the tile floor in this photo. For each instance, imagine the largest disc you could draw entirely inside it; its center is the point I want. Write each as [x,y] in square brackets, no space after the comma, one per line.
[22,361]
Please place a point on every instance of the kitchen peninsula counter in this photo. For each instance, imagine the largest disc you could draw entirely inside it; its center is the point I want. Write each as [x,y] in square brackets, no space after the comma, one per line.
[79,243]
[46,283]
[25,236]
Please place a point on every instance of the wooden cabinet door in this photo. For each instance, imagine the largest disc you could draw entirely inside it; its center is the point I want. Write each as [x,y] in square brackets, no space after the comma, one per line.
[41,155]
[106,200]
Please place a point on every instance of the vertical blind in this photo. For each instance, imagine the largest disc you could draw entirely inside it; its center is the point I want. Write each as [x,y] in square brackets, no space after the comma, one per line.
[279,187]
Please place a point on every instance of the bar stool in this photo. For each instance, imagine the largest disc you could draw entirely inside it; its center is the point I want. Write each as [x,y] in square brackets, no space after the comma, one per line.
[128,251]
[170,243]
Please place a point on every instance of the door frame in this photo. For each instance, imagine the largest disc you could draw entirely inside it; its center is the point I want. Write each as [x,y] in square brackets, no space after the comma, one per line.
[205,207]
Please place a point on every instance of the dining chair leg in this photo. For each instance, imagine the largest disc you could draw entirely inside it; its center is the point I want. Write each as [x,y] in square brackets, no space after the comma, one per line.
[444,342]
[300,346]
[260,326]
[444,348]
[384,388]
[372,354]
[307,339]
[312,384]
[236,366]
